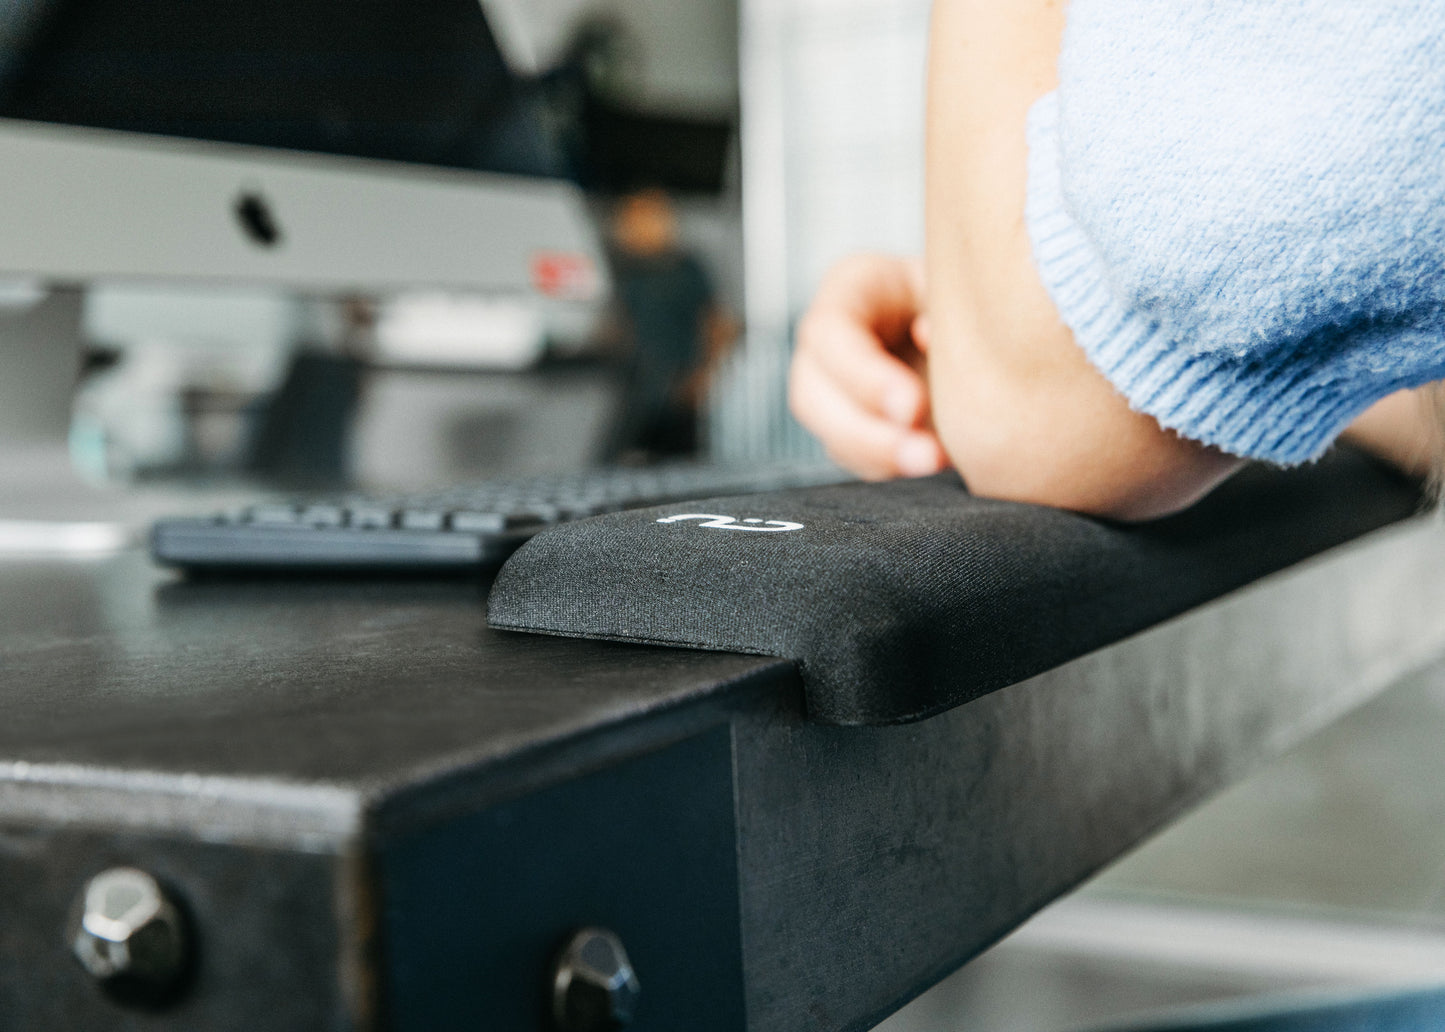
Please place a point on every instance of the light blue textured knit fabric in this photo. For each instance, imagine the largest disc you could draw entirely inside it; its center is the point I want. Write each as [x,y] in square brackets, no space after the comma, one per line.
[1239,208]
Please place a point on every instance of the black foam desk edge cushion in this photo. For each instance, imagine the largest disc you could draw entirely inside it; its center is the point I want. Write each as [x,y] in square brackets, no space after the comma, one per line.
[904,599]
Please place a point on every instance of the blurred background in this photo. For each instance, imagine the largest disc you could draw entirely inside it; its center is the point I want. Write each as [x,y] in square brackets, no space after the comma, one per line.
[763,139]
[730,150]
[634,101]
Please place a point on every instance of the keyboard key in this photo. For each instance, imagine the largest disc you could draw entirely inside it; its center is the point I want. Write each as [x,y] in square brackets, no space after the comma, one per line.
[478,522]
[271,514]
[537,512]
[369,517]
[322,516]
[493,522]
[422,519]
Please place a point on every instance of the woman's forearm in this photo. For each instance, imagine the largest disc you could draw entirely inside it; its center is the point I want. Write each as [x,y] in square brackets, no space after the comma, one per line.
[1403,429]
[1018,407]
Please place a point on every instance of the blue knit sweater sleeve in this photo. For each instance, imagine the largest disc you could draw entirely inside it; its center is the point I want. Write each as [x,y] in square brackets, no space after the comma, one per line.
[1238,207]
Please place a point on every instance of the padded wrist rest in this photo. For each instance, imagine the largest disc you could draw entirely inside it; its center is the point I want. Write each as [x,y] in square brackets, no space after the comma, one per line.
[903,599]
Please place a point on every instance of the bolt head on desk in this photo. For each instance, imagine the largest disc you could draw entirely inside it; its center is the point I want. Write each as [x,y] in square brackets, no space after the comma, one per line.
[126,929]
[595,988]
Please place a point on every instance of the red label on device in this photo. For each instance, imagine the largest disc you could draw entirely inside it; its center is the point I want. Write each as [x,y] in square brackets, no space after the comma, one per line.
[564,275]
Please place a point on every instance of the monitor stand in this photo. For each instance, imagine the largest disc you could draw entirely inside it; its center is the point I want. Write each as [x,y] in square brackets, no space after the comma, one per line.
[46,508]
[40,334]
[39,361]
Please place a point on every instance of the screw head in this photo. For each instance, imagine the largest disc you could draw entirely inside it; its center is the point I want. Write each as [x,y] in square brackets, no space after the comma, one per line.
[595,988]
[125,930]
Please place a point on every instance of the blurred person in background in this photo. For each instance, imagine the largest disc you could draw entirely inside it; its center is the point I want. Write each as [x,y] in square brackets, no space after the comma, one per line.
[670,325]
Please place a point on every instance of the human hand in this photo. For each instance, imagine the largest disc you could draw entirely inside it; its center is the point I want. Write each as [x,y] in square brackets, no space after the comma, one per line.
[857,377]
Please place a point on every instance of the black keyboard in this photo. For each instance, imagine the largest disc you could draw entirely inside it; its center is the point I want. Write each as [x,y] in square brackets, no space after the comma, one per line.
[464,529]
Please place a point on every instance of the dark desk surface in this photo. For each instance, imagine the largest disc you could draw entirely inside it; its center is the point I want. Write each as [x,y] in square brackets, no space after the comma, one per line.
[869,861]
[364,687]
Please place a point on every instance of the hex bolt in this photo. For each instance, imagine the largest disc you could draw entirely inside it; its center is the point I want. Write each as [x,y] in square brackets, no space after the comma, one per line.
[128,933]
[594,988]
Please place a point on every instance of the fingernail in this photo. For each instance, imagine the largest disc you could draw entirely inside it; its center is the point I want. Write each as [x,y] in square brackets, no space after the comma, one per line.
[918,456]
[901,405]
[922,332]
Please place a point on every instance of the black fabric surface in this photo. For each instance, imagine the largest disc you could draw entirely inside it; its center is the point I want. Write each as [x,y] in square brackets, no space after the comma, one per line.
[903,599]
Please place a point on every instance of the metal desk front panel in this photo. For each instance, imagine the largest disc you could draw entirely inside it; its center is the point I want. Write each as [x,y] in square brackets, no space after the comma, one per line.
[476,910]
[278,938]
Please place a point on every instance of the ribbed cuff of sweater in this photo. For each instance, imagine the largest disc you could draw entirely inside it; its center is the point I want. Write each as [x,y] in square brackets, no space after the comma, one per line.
[1281,407]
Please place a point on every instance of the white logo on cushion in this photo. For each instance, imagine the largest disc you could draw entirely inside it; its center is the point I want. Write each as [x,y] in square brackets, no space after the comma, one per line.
[731,523]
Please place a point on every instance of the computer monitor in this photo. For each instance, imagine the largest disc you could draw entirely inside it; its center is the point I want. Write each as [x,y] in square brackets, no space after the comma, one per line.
[331,147]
